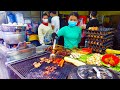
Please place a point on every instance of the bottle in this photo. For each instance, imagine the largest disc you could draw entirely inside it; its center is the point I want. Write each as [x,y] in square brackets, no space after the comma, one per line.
[86,43]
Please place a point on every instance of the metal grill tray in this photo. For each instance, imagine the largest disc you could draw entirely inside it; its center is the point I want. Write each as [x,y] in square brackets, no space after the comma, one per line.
[25,70]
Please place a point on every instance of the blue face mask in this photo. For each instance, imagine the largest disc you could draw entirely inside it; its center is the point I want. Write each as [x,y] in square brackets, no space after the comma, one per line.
[72,23]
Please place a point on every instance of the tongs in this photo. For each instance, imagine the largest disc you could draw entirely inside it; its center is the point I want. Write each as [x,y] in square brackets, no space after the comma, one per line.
[53,56]
[98,72]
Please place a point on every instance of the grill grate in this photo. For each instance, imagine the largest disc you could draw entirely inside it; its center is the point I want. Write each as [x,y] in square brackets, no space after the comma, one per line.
[26,69]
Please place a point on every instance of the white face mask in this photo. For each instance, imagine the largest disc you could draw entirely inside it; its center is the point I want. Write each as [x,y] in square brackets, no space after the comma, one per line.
[45,20]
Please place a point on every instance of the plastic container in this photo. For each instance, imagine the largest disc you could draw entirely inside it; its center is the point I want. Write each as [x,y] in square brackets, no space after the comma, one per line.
[11,17]
[8,28]
[19,18]
[13,38]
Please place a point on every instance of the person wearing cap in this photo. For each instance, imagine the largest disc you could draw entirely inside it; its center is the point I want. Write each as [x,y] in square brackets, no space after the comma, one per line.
[55,21]
[116,38]
[93,22]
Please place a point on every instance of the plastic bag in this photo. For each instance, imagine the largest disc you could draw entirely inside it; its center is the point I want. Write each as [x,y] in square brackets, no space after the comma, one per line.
[11,18]
[19,18]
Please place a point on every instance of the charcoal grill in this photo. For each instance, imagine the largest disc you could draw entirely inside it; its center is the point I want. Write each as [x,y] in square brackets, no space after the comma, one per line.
[25,70]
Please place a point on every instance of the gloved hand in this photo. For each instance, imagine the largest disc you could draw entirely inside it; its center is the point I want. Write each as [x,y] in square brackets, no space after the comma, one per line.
[43,44]
[54,35]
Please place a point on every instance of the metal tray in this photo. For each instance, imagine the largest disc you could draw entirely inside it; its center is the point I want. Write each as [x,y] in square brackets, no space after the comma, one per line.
[76,74]
[12,28]
[20,54]
[40,49]
[13,38]
[24,68]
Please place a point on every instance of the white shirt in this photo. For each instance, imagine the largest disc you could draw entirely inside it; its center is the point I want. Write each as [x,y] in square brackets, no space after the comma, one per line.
[44,33]
[55,21]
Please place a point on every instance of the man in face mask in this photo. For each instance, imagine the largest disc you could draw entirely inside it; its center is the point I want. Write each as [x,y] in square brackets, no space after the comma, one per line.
[55,21]
[71,33]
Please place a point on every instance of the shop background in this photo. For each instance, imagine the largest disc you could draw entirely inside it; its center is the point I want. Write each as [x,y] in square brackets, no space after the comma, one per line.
[106,17]
[34,15]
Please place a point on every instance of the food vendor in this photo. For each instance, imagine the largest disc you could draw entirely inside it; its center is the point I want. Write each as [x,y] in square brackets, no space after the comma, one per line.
[55,21]
[71,33]
[116,38]
[93,20]
[45,31]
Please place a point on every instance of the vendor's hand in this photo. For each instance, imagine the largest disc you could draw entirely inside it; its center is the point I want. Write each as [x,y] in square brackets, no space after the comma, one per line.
[54,35]
[83,26]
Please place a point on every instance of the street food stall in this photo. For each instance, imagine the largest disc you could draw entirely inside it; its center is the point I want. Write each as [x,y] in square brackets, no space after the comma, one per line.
[95,60]
[78,63]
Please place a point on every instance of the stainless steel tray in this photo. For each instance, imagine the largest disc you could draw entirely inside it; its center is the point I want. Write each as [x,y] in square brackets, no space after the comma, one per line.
[20,54]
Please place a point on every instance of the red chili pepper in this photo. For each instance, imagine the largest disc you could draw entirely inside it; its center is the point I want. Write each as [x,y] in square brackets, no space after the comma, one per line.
[57,60]
[89,50]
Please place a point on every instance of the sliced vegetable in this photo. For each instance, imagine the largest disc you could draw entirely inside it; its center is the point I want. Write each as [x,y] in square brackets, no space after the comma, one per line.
[111,51]
[95,59]
[74,61]
[61,63]
[57,60]
[75,55]
[83,58]
[89,50]
[110,59]
[116,68]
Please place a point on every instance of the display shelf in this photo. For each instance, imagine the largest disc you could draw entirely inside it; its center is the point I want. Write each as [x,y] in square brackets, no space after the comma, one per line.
[102,29]
[100,40]
[100,43]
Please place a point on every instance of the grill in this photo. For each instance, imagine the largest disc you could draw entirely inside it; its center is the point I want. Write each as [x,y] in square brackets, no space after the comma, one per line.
[25,70]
